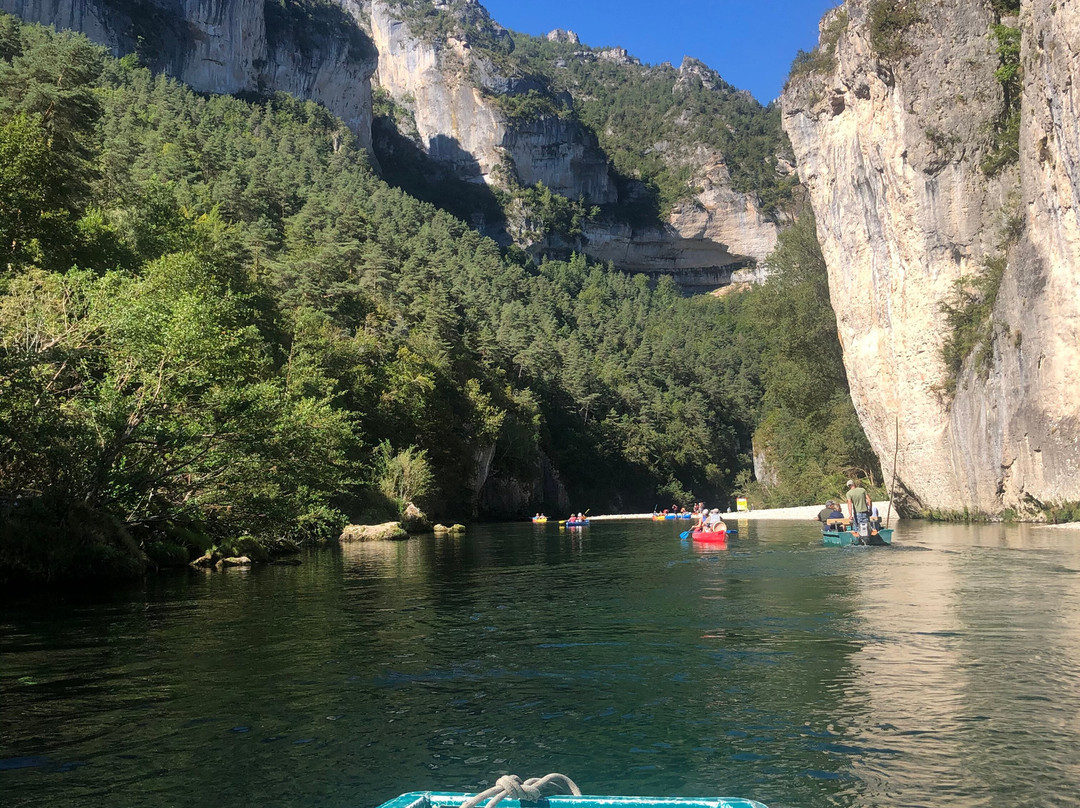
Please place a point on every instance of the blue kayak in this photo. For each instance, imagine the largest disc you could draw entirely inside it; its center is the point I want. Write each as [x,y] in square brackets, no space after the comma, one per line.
[447,799]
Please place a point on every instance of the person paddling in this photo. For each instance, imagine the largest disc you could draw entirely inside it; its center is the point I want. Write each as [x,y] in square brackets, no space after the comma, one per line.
[702,515]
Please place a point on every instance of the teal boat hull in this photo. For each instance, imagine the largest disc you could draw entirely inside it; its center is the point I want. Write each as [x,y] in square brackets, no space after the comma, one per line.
[845,538]
[446,799]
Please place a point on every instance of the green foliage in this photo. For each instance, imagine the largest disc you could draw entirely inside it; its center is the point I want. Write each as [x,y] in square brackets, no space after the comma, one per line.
[462,19]
[823,58]
[48,118]
[528,106]
[1006,7]
[809,433]
[890,22]
[969,314]
[1004,147]
[965,516]
[166,554]
[383,105]
[403,476]
[1061,513]
[547,213]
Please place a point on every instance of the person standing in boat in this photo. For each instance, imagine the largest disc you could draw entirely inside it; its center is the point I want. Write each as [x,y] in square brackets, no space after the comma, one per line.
[858,508]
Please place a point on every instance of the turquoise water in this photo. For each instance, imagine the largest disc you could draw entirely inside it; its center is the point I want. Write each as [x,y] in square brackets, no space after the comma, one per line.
[943,671]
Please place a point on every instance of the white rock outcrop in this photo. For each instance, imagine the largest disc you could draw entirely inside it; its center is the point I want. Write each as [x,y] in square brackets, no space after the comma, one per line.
[890,151]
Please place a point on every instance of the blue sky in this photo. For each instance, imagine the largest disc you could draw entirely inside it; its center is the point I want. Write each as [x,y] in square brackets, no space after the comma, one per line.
[751,43]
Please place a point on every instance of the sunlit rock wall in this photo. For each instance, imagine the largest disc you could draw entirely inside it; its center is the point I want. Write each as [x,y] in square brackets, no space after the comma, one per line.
[890,150]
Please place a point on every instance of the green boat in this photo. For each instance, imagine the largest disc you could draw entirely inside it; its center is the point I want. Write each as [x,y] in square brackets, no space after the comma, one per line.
[845,538]
[447,799]
[512,792]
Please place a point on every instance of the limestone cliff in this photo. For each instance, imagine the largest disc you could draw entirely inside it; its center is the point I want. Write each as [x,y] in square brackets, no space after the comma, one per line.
[312,50]
[898,129]
[461,99]
[455,94]
[451,89]
[703,240]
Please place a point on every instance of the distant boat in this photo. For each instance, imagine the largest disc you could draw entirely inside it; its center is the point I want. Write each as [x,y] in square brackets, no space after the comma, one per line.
[539,519]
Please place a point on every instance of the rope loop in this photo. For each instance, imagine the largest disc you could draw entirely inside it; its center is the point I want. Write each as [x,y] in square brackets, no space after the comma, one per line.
[531,790]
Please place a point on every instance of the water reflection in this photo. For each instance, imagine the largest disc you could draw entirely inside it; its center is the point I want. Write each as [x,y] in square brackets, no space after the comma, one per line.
[969,666]
[941,671]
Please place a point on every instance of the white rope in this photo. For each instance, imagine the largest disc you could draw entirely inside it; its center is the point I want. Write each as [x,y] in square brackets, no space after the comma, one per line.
[531,790]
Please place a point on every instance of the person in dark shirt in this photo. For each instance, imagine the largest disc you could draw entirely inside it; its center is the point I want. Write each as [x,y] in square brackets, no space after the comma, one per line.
[826,512]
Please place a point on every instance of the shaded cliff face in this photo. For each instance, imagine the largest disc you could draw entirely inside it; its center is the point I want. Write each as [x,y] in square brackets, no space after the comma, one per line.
[894,150]
[229,46]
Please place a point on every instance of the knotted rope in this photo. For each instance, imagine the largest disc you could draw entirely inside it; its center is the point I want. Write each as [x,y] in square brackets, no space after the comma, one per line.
[510,785]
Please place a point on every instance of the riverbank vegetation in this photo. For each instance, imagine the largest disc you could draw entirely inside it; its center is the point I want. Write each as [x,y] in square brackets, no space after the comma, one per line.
[216,321]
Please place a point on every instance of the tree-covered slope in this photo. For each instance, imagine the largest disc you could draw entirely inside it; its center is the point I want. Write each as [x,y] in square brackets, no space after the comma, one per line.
[216,320]
[654,121]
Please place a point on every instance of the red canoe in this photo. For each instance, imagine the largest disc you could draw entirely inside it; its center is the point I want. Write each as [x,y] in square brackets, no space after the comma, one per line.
[710,536]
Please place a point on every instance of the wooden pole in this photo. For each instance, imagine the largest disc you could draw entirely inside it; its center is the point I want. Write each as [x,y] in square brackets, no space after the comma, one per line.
[892,485]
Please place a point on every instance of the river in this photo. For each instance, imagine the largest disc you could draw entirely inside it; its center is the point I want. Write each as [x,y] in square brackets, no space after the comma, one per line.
[943,671]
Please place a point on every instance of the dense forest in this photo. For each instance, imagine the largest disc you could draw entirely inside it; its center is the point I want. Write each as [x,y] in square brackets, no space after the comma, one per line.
[218,323]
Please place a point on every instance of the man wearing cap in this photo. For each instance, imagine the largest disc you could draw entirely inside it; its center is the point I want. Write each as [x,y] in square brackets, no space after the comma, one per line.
[859,507]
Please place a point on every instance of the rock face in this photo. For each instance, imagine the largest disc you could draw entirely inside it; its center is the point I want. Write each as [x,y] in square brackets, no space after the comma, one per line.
[450,90]
[890,148]
[703,241]
[231,46]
